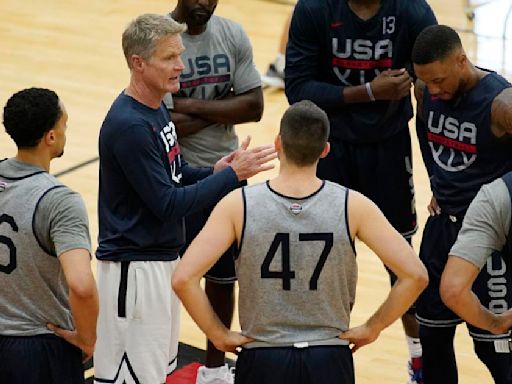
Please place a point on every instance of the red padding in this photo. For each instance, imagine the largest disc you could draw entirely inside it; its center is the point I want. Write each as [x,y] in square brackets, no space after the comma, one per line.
[185,375]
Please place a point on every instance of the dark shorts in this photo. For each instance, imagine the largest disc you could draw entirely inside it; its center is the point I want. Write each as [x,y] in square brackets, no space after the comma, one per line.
[381,171]
[223,271]
[39,359]
[312,365]
[491,285]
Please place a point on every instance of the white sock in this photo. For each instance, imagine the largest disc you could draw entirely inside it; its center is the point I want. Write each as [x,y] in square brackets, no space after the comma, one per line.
[414,345]
[279,62]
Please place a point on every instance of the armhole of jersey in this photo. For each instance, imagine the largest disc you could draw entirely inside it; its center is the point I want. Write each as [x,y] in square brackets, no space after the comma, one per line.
[352,242]
[49,252]
[243,225]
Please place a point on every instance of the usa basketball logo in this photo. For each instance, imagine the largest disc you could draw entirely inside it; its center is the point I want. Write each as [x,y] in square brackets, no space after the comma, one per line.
[453,144]
[295,208]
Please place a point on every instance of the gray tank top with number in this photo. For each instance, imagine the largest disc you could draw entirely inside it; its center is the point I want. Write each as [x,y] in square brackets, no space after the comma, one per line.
[296,269]
[32,283]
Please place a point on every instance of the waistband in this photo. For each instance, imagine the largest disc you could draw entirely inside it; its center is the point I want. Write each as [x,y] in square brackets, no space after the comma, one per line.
[299,345]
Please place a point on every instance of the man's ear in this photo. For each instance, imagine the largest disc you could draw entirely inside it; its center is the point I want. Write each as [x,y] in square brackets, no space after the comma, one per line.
[137,63]
[278,144]
[49,137]
[326,150]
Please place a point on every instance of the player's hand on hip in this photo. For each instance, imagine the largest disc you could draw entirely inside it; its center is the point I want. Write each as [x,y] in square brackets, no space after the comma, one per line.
[232,341]
[74,338]
[393,84]
[433,208]
[359,336]
[249,162]
[503,323]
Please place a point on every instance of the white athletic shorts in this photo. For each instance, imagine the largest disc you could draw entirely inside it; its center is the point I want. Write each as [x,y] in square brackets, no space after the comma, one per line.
[138,324]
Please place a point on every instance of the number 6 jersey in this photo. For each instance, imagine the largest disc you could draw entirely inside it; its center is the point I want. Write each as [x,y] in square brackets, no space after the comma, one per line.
[296,268]
[40,218]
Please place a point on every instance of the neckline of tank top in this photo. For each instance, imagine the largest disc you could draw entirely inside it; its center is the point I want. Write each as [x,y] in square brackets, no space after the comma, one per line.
[294,198]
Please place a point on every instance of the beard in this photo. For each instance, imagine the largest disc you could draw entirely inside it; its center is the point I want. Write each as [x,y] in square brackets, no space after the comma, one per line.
[199,16]
[459,93]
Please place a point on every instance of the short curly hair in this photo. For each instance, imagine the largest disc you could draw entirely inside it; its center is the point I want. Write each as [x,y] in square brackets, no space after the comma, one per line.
[29,114]
[435,43]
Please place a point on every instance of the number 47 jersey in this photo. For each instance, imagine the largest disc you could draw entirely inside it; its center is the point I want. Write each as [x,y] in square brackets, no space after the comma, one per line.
[296,268]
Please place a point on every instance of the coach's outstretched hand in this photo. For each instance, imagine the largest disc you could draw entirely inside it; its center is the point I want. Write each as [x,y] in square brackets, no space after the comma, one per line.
[248,162]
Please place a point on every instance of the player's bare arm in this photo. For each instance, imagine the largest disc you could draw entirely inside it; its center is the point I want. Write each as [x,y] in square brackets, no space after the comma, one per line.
[419,87]
[456,282]
[501,114]
[83,301]
[368,223]
[220,231]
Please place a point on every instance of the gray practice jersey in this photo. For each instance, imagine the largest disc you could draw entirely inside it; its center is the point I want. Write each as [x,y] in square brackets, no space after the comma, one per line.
[486,224]
[39,219]
[217,62]
[296,270]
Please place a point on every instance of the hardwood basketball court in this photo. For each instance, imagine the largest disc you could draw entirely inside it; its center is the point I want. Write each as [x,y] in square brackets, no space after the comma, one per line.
[74,48]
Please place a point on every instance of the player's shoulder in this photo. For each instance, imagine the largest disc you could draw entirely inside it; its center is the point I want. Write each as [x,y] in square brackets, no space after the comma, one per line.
[127,116]
[337,188]
[505,96]
[313,7]
[223,25]
[413,8]
[61,195]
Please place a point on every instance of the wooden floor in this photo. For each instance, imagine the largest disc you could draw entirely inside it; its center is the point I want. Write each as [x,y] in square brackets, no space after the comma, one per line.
[74,48]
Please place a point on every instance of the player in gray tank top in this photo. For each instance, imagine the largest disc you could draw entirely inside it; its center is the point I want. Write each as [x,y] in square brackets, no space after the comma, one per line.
[296,266]
[46,280]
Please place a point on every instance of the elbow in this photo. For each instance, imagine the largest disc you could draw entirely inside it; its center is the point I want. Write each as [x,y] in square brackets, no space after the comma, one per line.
[258,112]
[83,289]
[179,282]
[450,292]
[255,110]
[421,278]
[291,95]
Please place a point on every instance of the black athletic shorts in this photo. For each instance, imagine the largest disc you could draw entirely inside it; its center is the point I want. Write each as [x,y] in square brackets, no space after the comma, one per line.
[39,359]
[223,271]
[311,365]
[491,286]
[381,171]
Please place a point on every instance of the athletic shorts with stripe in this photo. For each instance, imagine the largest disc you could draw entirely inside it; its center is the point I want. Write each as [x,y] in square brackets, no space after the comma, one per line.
[138,324]
[491,286]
